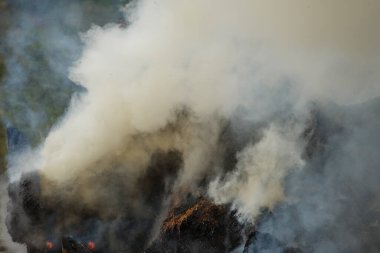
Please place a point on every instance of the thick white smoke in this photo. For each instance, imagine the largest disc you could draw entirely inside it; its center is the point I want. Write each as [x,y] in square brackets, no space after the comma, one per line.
[210,59]
[173,56]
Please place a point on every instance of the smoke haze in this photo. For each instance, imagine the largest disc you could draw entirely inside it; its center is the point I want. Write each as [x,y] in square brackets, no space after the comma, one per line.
[197,81]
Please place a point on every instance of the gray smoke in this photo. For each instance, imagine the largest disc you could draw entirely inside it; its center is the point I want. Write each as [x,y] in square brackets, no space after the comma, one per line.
[332,204]
[6,242]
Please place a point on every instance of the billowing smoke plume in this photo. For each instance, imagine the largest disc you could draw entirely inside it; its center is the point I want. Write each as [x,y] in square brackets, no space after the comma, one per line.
[219,98]
[257,180]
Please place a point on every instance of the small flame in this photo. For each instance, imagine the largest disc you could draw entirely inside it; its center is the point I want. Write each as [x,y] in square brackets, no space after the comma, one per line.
[49,245]
[91,245]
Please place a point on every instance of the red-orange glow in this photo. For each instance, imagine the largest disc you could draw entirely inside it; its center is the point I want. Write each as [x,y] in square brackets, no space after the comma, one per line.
[91,245]
[49,245]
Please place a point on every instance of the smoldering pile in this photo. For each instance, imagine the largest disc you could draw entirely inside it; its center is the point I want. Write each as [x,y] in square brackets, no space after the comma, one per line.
[194,136]
[116,209]
[154,213]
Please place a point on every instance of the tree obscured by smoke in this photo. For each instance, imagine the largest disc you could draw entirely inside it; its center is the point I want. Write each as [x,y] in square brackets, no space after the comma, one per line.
[39,41]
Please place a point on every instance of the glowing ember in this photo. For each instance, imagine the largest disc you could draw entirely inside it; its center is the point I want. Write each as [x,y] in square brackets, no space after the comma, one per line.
[49,245]
[91,245]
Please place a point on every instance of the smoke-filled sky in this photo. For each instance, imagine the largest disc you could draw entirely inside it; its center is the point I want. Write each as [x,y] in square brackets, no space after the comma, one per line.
[343,26]
[339,39]
[178,73]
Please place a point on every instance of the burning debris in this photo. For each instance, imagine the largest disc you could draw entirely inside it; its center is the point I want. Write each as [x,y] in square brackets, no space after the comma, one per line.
[202,226]
[55,217]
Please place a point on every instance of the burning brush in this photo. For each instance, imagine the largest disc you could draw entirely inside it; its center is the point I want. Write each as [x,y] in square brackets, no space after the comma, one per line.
[66,245]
